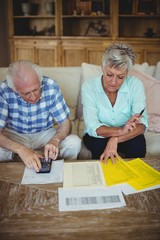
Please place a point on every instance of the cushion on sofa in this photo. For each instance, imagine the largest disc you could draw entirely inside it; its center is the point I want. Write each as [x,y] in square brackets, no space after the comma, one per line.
[152,89]
[3,72]
[152,142]
[157,71]
[89,71]
[70,87]
[146,68]
[141,67]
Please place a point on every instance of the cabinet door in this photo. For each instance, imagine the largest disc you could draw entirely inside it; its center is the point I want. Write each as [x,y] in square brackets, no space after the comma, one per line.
[95,51]
[24,53]
[152,55]
[139,52]
[73,55]
[94,56]
[46,52]
[45,57]
[42,52]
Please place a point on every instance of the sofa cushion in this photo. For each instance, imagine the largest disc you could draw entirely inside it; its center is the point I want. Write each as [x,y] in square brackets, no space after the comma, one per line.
[3,72]
[144,67]
[157,71]
[152,142]
[69,80]
[90,71]
[152,89]
[141,67]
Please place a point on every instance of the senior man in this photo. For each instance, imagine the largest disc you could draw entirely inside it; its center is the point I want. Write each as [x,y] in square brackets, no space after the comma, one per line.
[30,104]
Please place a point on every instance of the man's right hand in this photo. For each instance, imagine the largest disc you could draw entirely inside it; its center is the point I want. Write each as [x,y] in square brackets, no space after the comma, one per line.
[30,158]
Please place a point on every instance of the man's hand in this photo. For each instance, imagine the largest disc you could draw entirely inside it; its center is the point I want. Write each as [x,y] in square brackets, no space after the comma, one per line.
[30,158]
[51,149]
[110,151]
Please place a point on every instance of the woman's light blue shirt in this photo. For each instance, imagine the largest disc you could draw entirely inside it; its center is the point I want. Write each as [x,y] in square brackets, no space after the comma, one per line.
[97,108]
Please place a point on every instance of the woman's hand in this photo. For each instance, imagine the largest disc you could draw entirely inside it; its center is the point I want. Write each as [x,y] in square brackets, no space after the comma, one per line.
[131,124]
[110,151]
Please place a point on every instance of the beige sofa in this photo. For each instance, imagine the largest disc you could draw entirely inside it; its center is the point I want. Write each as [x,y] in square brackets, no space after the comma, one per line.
[70,80]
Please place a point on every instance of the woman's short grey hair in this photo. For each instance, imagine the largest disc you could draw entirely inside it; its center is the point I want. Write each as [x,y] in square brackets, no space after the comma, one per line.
[119,55]
[14,69]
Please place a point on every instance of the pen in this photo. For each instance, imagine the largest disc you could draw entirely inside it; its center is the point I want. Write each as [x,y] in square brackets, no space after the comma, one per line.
[141,112]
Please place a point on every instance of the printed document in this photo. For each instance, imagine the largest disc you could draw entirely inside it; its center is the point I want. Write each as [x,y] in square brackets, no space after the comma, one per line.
[117,173]
[90,198]
[133,176]
[148,176]
[55,175]
[83,174]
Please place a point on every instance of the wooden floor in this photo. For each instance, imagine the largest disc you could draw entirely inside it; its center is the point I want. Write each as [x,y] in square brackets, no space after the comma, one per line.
[31,212]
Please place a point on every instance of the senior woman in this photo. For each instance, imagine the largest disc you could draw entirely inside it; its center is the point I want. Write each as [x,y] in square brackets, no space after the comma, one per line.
[112,104]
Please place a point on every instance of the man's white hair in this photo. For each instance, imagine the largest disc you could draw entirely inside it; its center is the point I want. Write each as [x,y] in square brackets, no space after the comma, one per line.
[14,69]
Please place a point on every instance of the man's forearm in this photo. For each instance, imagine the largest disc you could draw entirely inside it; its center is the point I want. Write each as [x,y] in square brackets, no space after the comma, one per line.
[62,131]
[9,144]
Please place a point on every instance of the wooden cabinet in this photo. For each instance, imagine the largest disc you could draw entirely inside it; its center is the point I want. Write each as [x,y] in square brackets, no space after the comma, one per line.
[86,18]
[42,52]
[67,33]
[33,30]
[33,18]
[75,51]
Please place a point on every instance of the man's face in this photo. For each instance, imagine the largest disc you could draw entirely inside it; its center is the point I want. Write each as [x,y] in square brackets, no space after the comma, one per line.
[30,88]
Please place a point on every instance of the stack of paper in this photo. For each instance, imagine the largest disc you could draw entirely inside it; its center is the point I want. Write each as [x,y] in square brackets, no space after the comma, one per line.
[95,185]
[136,173]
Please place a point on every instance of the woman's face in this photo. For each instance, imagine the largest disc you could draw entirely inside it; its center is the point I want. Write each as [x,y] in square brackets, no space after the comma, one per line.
[113,79]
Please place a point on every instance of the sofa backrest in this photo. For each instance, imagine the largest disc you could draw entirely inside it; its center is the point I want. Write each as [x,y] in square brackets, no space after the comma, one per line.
[3,71]
[69,80]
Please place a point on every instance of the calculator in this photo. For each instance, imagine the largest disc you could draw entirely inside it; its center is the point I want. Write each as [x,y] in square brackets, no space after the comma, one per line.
[45,165]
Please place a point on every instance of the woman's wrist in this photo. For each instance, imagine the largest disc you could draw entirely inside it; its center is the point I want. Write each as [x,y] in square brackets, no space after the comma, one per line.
[115,138]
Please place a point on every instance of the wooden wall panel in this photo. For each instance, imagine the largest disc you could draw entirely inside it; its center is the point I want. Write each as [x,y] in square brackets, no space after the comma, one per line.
[73,56]
[24,53]
[152,56]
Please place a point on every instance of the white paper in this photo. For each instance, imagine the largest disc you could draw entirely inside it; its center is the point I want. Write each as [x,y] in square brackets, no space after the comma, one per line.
[90,198]
[83,174]
[128,189]
[55,175]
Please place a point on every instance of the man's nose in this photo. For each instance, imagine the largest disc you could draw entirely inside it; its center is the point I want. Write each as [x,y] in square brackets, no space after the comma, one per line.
[33,95]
